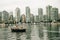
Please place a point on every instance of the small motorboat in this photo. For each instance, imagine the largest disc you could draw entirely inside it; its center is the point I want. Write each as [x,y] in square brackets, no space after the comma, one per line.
[18,29]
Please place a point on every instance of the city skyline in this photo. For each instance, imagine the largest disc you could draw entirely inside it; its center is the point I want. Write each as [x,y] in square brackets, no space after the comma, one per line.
[10,5]
[52,14]
[14,12]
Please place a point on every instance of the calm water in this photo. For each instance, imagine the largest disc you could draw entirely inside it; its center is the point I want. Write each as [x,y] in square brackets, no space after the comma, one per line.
[38,31]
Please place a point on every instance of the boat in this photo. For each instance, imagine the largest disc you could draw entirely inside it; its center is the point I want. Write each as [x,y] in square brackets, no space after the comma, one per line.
[18,29]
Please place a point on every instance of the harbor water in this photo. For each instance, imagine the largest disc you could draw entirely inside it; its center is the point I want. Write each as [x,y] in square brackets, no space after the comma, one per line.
[37,31]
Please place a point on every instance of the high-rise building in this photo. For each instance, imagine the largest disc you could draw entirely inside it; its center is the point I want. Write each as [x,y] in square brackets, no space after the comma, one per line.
[0,16]
[17,11]
[5,16]
[44,17]
[27,14]
[32,18]
[59,16]
[48,12]
[40,13]
[23,18]
[54,15]
[36,18]
[11,17]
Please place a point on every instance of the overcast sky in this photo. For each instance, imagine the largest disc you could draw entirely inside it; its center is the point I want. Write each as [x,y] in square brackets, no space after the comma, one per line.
[10,5]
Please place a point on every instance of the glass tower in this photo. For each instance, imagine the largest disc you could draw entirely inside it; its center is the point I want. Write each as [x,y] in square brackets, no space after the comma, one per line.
[0,16]
[48,11]
[40,13]
[54,15]
[17,11]
[5,16]
[27,14]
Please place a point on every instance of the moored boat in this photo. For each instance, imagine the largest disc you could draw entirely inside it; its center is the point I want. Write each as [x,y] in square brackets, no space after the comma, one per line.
[18,29]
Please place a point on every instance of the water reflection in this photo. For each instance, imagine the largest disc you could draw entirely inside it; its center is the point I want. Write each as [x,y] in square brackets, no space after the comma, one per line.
[18,36]
[37,31]
[28,31]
